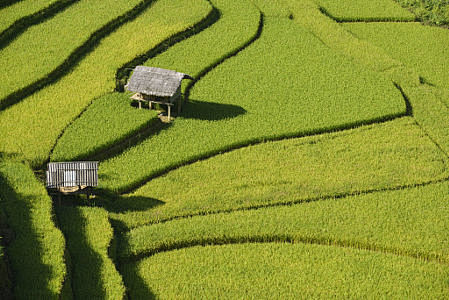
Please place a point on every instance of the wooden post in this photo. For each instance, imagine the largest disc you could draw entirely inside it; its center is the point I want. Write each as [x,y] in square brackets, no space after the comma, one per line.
[140,104]
[169,111]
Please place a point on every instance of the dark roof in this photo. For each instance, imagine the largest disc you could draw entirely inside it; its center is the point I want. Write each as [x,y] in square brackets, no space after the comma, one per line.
[75,173]
[155,81]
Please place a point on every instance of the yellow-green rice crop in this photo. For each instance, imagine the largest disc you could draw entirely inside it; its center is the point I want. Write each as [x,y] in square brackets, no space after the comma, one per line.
[33,125]
[89,234]
[419,47]
[272,8]
[10,14]
[407,222]
[284,271]
[42,48]
[363,10]
[238,23]
[293,171]
[308,15]
[238,20]
[285,84]
[37,252]
[107,121]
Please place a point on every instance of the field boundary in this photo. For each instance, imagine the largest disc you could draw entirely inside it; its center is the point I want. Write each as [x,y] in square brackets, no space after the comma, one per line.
[6,3]
[8,35]
[76,56]
[325,12]
[335,196]
[124,72]
[353,125]
[221,60]
[303,239]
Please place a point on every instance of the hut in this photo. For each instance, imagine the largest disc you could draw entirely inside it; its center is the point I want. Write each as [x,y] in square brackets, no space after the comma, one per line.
[72,177]
[155,85]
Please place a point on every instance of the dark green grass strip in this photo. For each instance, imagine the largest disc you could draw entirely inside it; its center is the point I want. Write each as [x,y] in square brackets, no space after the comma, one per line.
[286,238]
[76,56]
[325,12]
[6,3]
[37,250]
[21,25]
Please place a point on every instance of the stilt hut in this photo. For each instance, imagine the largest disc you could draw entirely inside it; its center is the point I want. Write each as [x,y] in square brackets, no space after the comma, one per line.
[78,177]
[155,85]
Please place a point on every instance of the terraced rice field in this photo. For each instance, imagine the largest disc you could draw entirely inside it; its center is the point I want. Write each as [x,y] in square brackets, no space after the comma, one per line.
[311,158]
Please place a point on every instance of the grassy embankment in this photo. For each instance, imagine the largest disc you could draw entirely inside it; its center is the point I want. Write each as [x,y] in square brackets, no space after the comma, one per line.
[365,11]
[35,123]
[284,271]
[262,101]
[36,253]
[52,42]
[89,236]
[409,222]
[290,171]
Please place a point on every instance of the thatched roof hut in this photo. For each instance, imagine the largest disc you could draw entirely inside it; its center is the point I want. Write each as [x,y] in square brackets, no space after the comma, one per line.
[156,85]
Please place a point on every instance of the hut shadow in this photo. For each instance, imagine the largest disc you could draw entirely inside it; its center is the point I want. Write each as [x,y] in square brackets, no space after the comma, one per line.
[116,203]
[210,111]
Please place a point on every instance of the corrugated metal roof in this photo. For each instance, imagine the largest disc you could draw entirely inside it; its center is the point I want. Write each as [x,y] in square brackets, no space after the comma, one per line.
[155,81]
[69,174]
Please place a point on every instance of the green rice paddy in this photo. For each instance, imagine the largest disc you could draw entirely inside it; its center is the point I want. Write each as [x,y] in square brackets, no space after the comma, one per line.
[310,159]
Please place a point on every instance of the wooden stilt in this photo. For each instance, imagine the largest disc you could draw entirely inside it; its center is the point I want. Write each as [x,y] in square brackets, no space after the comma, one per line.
[140,104]
[169,112]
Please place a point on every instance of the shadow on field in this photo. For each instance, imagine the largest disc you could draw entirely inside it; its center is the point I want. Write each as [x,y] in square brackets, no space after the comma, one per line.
[86,263]
[210,111]
[133,139]
[24,249]
[137,287]
[118,204]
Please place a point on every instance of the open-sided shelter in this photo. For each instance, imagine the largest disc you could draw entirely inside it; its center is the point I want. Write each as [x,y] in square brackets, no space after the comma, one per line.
[156,85]
[72,177]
